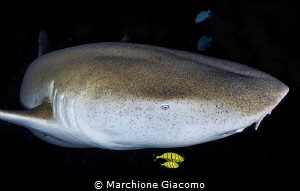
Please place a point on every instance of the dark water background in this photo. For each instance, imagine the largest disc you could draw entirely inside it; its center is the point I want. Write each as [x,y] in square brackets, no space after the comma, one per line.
[260,34]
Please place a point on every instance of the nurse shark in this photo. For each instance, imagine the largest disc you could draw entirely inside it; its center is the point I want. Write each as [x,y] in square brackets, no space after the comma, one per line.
[125,96]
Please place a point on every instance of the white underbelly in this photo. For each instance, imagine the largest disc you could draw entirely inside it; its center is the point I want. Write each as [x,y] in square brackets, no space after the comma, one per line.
[134,124]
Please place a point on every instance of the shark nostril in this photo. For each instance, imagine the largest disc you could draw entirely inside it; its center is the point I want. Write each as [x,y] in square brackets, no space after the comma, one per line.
[229,133]
[233,132]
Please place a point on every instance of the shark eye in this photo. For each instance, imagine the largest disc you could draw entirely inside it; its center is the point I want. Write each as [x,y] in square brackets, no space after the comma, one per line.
[164,106]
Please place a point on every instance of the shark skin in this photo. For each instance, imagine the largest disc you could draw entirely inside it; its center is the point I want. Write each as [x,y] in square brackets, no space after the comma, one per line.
[125,96]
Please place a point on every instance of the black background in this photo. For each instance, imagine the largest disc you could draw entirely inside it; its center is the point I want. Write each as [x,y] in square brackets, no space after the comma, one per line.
[260,34]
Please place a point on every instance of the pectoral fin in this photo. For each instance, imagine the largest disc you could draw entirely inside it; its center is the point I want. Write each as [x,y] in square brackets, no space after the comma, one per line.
[31,118]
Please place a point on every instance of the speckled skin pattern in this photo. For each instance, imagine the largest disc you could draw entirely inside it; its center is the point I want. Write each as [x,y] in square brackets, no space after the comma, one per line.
[128,96]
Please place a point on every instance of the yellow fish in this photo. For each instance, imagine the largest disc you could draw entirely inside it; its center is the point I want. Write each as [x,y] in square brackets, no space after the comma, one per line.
[171,157]
[170,164]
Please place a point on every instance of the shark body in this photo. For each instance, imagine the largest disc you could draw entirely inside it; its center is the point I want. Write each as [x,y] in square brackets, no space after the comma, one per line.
[125,96]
